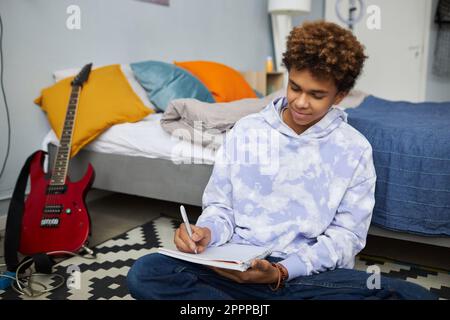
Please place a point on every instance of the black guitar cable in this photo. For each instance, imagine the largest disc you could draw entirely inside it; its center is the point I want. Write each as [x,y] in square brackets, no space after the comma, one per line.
[8,146]
[25,284]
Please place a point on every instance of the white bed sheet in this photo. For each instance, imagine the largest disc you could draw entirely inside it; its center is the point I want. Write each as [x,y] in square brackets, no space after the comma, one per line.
[145,138]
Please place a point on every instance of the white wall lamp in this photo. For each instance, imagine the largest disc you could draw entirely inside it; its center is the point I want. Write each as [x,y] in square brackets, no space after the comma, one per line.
[281,12]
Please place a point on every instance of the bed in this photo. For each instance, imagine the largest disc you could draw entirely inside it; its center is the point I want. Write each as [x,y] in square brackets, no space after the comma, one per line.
[160,167]
[147,161]
[142,159]
[411,151]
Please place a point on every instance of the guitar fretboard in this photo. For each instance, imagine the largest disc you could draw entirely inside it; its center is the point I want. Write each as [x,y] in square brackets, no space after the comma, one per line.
[61,164]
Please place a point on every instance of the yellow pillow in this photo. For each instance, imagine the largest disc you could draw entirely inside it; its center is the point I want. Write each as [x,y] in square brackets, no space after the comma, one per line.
[224,83]
[106,99]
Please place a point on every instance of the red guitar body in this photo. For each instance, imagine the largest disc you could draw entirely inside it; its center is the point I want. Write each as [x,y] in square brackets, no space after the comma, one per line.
[55,219]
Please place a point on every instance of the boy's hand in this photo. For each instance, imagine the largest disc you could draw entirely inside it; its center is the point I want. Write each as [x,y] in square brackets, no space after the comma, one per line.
[200,239]
[261,271]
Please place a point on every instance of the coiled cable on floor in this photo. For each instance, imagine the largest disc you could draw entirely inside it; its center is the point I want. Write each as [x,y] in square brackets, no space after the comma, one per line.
[23,284]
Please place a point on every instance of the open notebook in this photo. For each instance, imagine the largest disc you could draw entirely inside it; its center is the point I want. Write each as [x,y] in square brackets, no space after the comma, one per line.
[228,256]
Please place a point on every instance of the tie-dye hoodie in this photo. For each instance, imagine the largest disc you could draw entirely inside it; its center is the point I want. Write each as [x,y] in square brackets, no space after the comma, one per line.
[308,197]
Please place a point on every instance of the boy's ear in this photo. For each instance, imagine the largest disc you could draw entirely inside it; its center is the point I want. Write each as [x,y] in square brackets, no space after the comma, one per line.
[339,97]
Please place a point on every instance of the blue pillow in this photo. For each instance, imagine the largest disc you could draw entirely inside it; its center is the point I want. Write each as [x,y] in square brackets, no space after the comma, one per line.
[164,82]
[258,94]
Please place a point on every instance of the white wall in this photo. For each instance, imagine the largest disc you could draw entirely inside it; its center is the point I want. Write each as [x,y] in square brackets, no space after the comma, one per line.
[317,13]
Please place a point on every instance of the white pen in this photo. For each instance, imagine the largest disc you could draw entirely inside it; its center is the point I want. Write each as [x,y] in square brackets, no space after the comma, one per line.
[186,223]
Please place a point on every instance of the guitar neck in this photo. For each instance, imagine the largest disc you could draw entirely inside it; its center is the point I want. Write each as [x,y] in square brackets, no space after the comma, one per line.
[61,163]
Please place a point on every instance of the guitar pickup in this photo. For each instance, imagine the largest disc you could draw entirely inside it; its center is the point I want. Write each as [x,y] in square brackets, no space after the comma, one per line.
[53,209]
[50,222]
[56,189]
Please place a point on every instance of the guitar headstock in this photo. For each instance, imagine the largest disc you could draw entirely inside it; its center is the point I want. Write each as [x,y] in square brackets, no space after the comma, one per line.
[82,76]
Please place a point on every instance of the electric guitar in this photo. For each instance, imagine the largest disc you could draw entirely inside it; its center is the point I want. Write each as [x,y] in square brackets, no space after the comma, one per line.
[55,216]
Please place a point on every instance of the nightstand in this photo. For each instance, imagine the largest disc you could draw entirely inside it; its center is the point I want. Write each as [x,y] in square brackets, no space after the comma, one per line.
[264,82]
[274,81]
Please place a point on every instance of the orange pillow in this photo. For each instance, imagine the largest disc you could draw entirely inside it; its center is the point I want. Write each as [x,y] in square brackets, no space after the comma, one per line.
[106,99]
[224,83]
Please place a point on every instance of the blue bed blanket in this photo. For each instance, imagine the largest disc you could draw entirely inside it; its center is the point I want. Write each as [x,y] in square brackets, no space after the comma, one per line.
[411,151]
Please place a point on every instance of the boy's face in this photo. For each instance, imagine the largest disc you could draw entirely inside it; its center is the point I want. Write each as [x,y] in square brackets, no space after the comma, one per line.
[308,99]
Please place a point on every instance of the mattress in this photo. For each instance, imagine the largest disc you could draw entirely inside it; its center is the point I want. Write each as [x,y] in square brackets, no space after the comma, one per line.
[145,138]
[411,151]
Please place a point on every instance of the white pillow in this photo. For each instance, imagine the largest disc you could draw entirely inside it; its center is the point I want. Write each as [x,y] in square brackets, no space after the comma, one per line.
[129,75]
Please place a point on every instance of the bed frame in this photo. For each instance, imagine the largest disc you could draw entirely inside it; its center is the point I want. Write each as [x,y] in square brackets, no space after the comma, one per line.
[182,183]
[147,177]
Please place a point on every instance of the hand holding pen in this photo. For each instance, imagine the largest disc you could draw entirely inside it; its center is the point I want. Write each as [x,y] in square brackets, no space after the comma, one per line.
[190,238]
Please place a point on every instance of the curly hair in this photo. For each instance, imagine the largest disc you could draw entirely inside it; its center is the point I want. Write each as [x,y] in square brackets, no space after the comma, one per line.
[328,51]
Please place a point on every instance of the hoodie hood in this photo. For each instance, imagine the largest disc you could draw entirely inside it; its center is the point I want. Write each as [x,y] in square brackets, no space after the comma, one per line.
[333,119]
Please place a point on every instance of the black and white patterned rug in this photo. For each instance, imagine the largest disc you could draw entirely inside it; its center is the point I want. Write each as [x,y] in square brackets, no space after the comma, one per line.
[104,278]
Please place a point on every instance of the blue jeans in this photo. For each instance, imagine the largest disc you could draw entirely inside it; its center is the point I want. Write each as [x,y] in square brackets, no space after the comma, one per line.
[156,276]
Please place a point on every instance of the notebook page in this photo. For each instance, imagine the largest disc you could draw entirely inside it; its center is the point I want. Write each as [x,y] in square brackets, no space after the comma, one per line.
[228,252]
